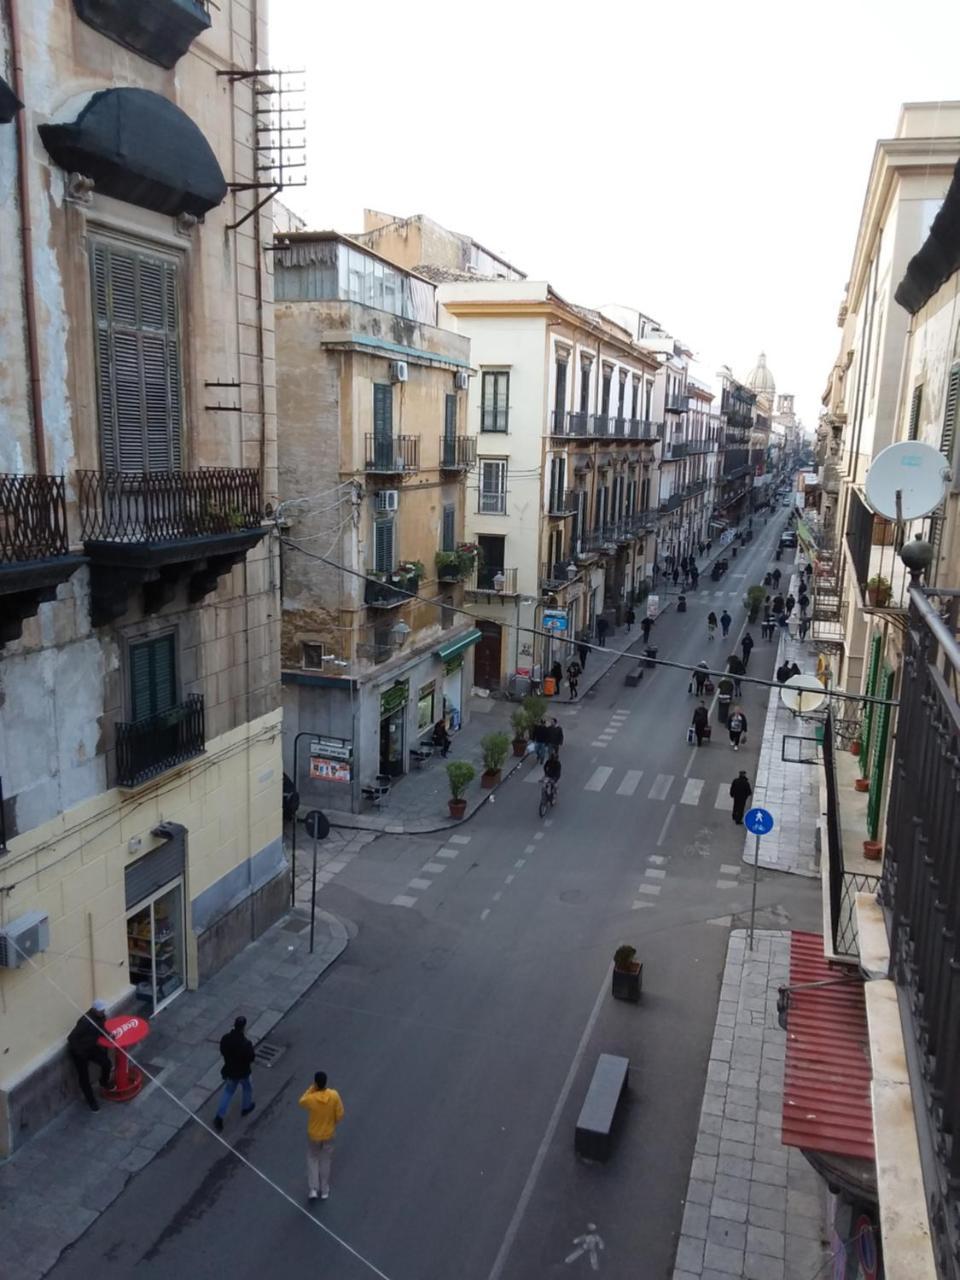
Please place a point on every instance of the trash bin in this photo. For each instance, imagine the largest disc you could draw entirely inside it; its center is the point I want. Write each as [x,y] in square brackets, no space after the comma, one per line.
[681,604]
[549,687]
[651,653]
[723,709]
[518,686]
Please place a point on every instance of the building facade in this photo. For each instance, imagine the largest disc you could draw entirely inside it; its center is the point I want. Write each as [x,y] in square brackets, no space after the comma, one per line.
[140,760]
[735,480]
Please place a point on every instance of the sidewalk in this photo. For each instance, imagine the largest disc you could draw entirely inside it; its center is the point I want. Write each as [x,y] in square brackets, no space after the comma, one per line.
[755,1209]
[58,1184]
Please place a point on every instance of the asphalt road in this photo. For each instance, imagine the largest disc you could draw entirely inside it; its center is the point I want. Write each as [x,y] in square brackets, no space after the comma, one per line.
[462,1030]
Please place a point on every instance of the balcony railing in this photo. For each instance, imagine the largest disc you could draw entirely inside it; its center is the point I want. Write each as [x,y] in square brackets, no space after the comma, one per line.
[677,404]
[33,518]
[671,503]
[167,506]
[562,504]
[389,593]
[494,579]
[557,575]
[458,453]
[391,455]
[148,747]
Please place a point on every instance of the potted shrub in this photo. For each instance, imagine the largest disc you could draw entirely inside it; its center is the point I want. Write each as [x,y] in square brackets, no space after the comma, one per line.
[494,747]
[627,974]
[535,708]
[878,591]
[460,773]
[754,601]
[520,730]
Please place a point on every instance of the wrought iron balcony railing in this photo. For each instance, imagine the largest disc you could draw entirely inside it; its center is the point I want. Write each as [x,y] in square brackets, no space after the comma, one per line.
[494,579]
[390,592]
[458,453]
[557,575]
[600,424]
[391,455]
[33,518]
[148,747]
[167,506]
[562,504]
[677,404]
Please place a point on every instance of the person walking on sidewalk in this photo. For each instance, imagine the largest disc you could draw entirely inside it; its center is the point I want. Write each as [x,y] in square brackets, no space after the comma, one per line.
[746,644]
[556,675]
[694,575]
[574,671]
[645,625]
[725,621]
[324,1109]
[631,619]
[737,670]
[83,1044]
[740,791]
[675,575]
[803,627]
[540,744]
[583,650]
[554,736]
[699,678]
[789,604]
[237,1053]
[701,723]
[776,575]
[736,727]
[603,626]
[711,625]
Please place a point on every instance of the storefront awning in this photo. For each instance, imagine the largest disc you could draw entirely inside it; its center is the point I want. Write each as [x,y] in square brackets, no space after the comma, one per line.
[139,147]
[448,651]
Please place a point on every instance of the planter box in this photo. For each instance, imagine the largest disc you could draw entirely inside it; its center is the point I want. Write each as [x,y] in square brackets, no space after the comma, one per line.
[627,983]
[457,808]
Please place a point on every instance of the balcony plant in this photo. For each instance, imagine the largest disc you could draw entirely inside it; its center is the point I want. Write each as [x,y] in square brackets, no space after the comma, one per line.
[878,591]
[627,974]
[494,747]
[460,773]
[454,566]
[410,569]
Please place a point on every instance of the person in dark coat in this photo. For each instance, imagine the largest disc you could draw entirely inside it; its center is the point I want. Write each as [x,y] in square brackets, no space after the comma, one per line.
[776,575]
[631,619]
[789,604]
[645,625]
[740,791]
[737,671]
[603,626]
[746,644]
[554,736]
[237,1053]
[736,727]
[574,672]
[684,564]
[541,740]
[777,605]
[803,600]
[556,675]
[582,650]
[700,675]
[84,1047]
[700,722]
[694,575]
[700,549]
[675,575]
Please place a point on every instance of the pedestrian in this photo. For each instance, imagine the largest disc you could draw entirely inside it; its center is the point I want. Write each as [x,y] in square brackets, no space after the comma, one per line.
[603,626]
[776,575]
[554,736]
[700,549]
[574,671]
[803,627]
[746,644]
[803,601]
[540,737]
[645,625]
[694,576]
[777,605]
[631,619]
[441,738]
[556,675]
[684,565]
[582,650]
[725,621]
[237,1053]
[736,727]
[699,676]
[84,1047]
[789,604]
[724,697]
[741,791]
[737,670]
[701,723]
[711,625]
[675,575]
[766,627]
[783,672]
[324,1109]
[709,545]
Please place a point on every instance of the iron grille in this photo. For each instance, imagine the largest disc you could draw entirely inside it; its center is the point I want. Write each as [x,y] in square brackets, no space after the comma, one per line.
[151,746]
[391,455]
[33,518]
[458,453]
[148,506]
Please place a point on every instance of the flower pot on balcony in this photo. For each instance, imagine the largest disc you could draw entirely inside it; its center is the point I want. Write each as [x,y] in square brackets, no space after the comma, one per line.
[872,849]
[861,784]
[855,747]
[878,592]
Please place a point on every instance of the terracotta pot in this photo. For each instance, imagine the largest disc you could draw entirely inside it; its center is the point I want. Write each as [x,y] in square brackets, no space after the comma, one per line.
[519,746]
[489,779]
[872,849]
[855,747]
[861,785]
[878,596]
[457,808]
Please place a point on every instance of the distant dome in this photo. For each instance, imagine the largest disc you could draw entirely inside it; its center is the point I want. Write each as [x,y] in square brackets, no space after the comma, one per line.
[760,379]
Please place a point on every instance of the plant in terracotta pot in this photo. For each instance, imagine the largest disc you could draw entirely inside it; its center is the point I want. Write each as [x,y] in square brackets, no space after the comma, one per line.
[460,773]
[627,974]
[495,747]
[535,708]
[520,730]
[754,601]
[855,746]
[878,591]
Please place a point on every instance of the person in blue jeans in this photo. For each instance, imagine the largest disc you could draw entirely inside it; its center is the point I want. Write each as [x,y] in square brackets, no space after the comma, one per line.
[237,1053]
[725,621]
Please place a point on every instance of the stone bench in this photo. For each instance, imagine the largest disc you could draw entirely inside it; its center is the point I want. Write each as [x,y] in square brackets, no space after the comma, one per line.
[595,1123]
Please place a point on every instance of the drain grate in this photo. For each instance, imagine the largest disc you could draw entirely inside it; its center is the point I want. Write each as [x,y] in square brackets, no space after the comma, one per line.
[269,1054]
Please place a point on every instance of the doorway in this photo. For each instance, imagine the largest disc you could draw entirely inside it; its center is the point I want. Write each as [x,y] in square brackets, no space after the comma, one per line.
[486,671]
[155,948]
[392,743]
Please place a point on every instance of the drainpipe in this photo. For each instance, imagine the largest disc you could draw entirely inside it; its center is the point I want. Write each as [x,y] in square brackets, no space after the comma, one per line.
[26,247]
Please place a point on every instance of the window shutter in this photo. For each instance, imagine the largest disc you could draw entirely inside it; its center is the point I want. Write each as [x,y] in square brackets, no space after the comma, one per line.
[950,414]
[450,418]
[152,677]
[382,411]
[449,534]
[914,425]
[383,546]
[164,681]
[560,391]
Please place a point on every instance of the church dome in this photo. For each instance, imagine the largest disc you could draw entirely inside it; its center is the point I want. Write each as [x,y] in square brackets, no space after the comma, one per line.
[760,379]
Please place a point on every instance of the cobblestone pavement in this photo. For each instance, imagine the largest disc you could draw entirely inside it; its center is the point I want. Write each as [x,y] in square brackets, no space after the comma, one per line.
[755,1209]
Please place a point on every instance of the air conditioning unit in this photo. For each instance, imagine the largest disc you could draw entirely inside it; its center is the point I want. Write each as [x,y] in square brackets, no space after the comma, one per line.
[25,936]
[461,380]
[388,499]
[399,371]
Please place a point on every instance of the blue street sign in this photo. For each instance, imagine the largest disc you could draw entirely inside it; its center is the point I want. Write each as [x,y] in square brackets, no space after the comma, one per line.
[758,822]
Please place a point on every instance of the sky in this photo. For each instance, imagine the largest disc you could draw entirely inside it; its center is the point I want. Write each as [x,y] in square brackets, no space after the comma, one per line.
[703,162]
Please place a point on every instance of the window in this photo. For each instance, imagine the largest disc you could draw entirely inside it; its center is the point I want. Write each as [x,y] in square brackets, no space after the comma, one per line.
[950,413]
[635,398]
[137,338]
[493,486]
[560,389]
[648,386]
[623,393]
[153,676]
[425,707]
[605,399]
[383,410]
[448,529]
[558,478]
[585,386]
[449,419]
[494,401]
[491,561]
[384,542]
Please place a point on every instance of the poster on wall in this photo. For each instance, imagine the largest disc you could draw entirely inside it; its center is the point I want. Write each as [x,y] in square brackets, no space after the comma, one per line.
[653,606]
[323,769]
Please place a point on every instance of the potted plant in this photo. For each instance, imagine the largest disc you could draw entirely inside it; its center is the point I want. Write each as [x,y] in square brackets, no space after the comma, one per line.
[855,746]
[627,974]
[494,747]
[460,773]
[878,591]
[535,708]
[754,601]
[520,730]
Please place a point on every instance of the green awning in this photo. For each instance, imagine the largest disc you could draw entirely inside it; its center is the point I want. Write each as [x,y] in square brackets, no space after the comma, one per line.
[448,651]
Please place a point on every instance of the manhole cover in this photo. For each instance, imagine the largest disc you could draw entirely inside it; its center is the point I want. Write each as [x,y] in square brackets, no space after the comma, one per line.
[269,1054]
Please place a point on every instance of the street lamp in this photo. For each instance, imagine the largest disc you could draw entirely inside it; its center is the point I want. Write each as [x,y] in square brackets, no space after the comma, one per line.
[399,633]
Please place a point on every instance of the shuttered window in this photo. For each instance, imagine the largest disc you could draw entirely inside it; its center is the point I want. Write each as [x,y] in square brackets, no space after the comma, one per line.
[493,486]
[560,390]
[450,418]
[153,677]
[138,367]
[916,399]
[382,410]
[950,414]
[494,401]
[449,529]
[383,545]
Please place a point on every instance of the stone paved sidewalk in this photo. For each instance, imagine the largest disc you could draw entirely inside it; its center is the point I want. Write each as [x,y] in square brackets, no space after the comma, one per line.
[755,1209]
[57,1185]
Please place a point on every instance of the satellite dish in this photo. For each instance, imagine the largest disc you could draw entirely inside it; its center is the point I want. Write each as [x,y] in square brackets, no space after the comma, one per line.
[918,472]
[803,694]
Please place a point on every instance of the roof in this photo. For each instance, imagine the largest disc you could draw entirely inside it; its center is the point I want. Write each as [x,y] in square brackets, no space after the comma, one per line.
[939,255]
[827,1073]
[283,238]
[760,378]
[446,275]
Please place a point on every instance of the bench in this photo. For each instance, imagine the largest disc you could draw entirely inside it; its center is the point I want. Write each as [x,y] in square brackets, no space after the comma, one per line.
[595,1123]
[377,792]
[633,678]
[420,755]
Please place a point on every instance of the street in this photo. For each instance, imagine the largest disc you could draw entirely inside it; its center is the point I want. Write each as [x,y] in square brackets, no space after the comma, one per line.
[462,1028]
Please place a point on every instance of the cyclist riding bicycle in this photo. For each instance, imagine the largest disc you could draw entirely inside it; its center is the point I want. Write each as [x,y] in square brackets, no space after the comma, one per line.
[552,769]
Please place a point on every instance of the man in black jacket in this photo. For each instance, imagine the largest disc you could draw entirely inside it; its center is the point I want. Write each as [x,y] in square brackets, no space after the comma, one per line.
[84,1046]
[741,791]
[237,1053]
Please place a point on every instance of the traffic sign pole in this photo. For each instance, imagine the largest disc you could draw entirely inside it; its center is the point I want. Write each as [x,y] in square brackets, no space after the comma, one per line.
[760,822]
[753,899]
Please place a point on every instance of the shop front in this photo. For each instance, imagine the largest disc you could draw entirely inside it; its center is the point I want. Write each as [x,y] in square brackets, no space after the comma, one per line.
[452,657]
[393,706]
[154,887]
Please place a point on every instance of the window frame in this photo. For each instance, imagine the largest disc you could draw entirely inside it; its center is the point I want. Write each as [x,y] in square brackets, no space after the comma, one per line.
[381,520]
[168,636]
[493,412]
[448,512]
[500,491]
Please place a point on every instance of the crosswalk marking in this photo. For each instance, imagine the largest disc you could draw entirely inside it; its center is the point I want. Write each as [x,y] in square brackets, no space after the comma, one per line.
[727,884]
[434,867]
[653,889]
[727,870]
[662,785]
[655,873]
[403,900]
[623,711]
[640,903]
[598,779]
[723,796]
[606,736]
[599,744]
[691,792]
[619,715]
[448,853]
[459,839]
[419,884]
[657,859]
[630,781]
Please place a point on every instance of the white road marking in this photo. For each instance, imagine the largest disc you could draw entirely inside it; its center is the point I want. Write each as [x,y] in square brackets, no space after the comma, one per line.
[403,900]
[459,839]
[727,870]
[653,889]
[598,778]
[640,903]
[657,859]
[619,715]
[605,737]
[722,921]
[520,862]
[666,823]
[509,879]
[538,835]
[691,792]
[723,796]
[420,884]
[655,873]
[727,884]
[630,782]
[530,848]
[434,867]
[547,822]
[497,896]
[622,711]
[448,853]
[599,744]
[660,788]
[484,913]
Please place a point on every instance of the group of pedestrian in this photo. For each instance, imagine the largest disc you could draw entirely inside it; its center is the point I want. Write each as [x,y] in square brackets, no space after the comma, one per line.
[547,737]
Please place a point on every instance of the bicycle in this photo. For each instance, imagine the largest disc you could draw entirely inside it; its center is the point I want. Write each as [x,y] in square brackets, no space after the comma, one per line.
[548,795]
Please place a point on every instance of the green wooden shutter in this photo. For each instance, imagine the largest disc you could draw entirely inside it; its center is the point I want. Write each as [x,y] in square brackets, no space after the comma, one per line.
[866,727]
[879,754]
[383,560]
[450,418]
[382,411]
[152,677]
[449,534]
[950,414]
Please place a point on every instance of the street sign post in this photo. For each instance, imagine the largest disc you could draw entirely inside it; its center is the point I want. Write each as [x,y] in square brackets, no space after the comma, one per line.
[760,822]
[318,828]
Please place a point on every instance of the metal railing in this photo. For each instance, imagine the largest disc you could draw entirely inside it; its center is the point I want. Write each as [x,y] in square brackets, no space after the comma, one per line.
[671,503]
[677,404]
[148,506]
[388,594]
[391,455]
[554,576]
[600,424]
[33,518]
[487,578]
[562,503]
[735,462]
[148,747]
[458,453]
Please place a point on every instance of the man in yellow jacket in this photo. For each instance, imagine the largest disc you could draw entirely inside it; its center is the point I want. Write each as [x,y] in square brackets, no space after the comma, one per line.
[324,1111]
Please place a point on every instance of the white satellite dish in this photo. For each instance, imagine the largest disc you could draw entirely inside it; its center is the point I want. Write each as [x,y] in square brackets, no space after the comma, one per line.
[917,472]
[803,694]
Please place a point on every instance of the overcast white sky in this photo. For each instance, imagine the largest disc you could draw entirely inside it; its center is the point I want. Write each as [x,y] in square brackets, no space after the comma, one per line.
[704,162]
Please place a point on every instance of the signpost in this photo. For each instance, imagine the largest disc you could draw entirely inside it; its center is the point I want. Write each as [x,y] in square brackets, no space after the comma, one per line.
[760,822]
[318,828]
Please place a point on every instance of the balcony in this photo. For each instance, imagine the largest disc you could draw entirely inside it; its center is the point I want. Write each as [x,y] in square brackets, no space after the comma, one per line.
[554,577]
[149,747]
[458,453]
[391,455]
[880,574]
[619,427]
[159,30]
[34,547]
[493,580]
[694,487]
[672,503]
[560,505]
[677,404]
[154,530]
[390,591]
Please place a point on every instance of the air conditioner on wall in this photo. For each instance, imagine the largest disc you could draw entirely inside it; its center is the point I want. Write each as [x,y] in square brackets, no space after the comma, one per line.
[25,936]
[461,380]
[399,371]
[387,499]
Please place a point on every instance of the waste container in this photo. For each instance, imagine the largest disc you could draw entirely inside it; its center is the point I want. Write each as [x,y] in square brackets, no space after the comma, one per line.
[518,686]
[549,686]
[681,604]
[651,653]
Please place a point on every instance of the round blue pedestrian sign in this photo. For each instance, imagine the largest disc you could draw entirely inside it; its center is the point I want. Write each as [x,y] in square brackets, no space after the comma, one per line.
[758,821]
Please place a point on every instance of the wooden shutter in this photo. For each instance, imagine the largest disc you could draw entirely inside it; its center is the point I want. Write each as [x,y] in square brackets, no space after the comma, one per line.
[383,560]
[915,401]
[950,414]
[152,677]
[450,418]
[382,411]
[560,391]
[449,529]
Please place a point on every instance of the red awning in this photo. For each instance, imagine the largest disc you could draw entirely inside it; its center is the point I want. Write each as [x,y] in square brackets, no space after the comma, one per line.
[827,1075]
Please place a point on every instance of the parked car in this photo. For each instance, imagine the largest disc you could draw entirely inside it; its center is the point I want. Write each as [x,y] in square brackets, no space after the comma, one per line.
[788,538]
